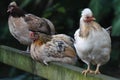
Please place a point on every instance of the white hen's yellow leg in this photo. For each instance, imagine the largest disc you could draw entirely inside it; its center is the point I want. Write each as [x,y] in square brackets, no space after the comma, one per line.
[88,70]
[97,69]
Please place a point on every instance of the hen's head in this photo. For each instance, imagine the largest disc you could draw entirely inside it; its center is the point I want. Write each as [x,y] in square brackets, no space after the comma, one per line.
[35,35]
[87,15]
[12,7]
[14,10]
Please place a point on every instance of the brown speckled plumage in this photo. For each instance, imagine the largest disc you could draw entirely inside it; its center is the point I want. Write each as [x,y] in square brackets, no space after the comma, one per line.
[57,48]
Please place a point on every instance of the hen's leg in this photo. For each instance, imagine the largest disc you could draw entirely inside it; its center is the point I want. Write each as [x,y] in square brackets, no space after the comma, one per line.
[97,69]
[27,50]
[88,70]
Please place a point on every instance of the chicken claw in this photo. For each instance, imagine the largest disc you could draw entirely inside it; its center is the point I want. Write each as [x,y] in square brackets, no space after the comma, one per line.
[97,69]
[84,72]
[97,72]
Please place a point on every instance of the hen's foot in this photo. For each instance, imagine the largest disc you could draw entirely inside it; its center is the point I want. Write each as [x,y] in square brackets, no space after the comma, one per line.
[87,71]
[97,72]
[45,63]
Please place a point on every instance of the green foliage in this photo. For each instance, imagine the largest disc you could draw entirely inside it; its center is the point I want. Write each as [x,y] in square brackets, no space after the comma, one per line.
[5,32]
[115,54]
[25,3]
[116,28]
[57,7]
[116,22]
[61,9]
[102,8]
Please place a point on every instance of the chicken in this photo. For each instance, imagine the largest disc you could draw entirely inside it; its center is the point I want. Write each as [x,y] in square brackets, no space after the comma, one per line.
[92,42]
[52,48]
[19,21]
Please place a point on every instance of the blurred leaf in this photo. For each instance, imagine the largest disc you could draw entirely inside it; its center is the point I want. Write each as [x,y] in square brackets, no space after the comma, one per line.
[37,1]
[47,14]
[5,32]
[25,3]
[96,7]
[116,22]
[116,6]
[56,5]
[61,10]
[70,22]
[115,54]
[116,26]
[100,8]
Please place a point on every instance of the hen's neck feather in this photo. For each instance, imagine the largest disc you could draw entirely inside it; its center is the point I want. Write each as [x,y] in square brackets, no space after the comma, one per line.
[87,27]
[42,39]
[18,13]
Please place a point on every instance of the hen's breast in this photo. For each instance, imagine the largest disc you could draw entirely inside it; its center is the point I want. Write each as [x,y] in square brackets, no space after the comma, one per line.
[82,44]
[19,29]
[37,50]
[95,47]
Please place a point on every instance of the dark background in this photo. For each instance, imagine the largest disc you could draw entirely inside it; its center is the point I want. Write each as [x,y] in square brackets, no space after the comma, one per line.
[65,15]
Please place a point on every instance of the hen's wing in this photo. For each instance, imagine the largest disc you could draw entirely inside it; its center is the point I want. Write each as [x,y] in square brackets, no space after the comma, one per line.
[58,48]
[37,24]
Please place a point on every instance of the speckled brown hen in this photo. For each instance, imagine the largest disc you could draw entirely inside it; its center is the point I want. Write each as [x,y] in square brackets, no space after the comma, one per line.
[52,48]
[19,21]
[92,42]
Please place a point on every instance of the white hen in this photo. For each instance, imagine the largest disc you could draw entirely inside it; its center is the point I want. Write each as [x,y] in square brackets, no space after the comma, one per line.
[92,42]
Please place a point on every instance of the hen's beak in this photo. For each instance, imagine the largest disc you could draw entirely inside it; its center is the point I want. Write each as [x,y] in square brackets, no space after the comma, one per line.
[9,9]
[91,18]
[31,34]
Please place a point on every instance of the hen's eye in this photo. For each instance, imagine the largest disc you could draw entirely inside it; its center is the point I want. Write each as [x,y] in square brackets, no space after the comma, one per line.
[87,17]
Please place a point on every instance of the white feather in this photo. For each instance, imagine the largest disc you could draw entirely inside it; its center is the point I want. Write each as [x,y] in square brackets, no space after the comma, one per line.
[86,12]
[96,47]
